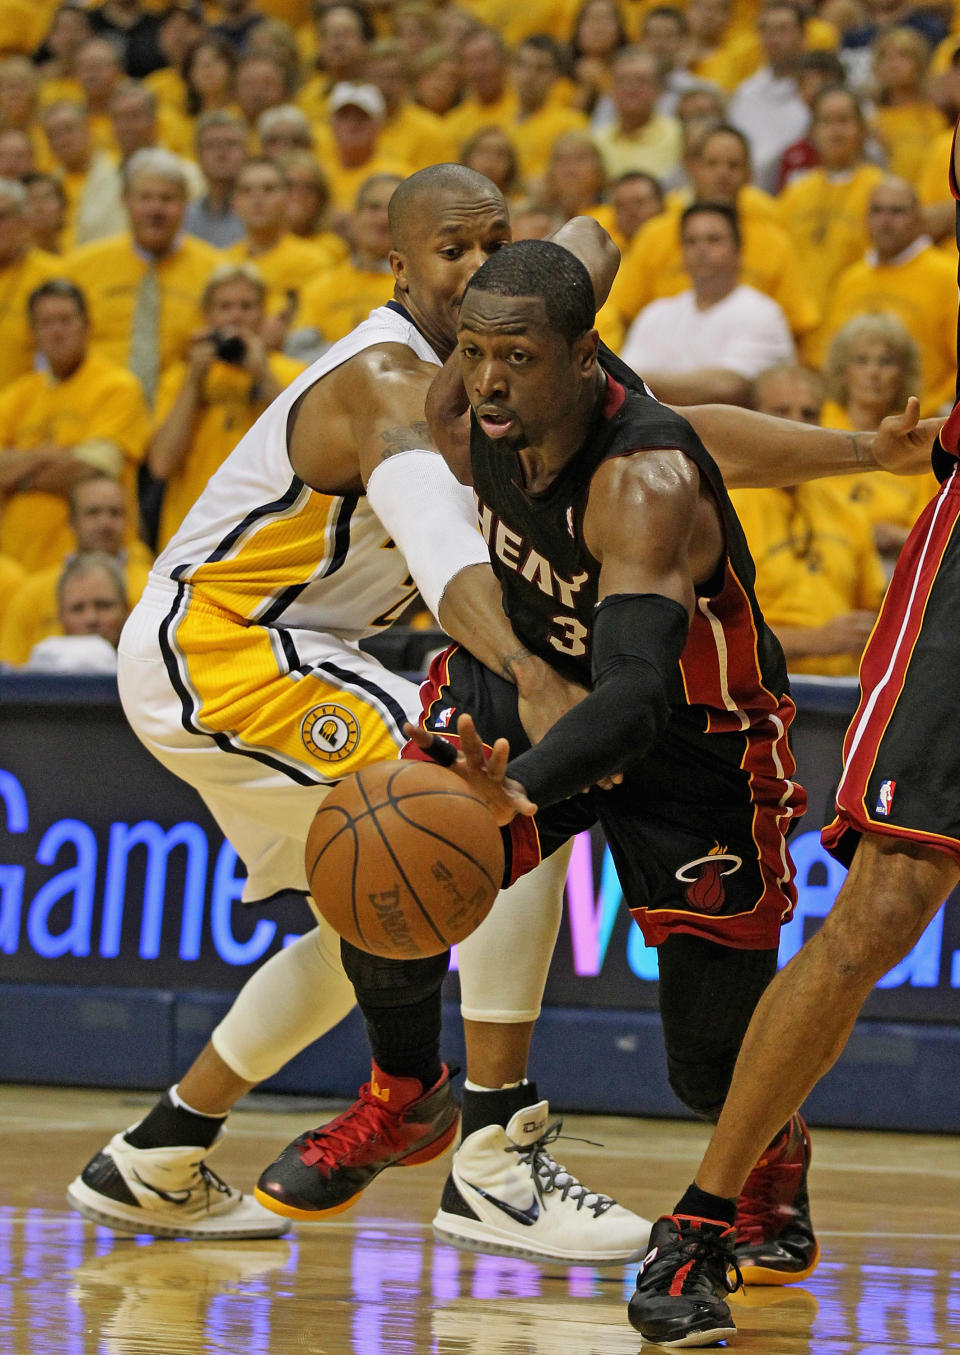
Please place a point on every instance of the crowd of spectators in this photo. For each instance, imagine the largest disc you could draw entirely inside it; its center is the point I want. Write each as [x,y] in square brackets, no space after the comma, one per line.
[193,205]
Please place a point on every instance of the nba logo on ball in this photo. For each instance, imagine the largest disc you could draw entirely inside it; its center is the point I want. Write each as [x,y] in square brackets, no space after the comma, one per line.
[885,798]
[330,732]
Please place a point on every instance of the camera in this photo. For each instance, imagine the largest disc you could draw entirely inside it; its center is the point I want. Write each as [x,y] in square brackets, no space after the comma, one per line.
[229,348]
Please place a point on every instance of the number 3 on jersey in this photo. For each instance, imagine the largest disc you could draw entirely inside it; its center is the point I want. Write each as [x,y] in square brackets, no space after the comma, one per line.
[571,637]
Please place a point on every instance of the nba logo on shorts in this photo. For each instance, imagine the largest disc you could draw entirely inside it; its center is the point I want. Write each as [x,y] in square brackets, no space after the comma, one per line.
[885,798]
[443,719]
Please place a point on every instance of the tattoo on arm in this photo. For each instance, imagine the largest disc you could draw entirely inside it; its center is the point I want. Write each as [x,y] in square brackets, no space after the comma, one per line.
[507,664]
[408,438]
[860,450]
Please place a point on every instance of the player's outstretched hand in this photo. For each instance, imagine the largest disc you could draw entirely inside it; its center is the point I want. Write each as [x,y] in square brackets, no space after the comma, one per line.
[903,442]
[486,776]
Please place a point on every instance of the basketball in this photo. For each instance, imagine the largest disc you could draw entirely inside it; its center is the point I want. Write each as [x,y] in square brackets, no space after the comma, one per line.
[403,859]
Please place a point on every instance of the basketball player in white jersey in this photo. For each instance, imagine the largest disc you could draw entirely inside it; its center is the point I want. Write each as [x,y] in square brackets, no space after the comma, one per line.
[240,671]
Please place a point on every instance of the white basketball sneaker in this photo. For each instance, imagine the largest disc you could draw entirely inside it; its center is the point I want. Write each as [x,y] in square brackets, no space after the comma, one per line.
[167,1192]
[507,1195]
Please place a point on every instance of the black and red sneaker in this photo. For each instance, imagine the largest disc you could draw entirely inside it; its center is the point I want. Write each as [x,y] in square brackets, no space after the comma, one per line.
[689,1269]
[393,1123]
[775,1238]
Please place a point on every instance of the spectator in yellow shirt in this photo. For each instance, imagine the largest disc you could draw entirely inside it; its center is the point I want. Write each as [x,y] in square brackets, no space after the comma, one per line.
[282,130]
[634,199]
[825,210]
[19,84]
[209,77]
[903,274]
[576,177]
[872,366]
[540,120]
[334,303]
[99,72]
[140,121]
[492,153]
[206,403]
[597,33]
[351,153]
[261,82]
[92,608]
[285,261]
[719,170]
[22,268]
[308,204]
[720,52]
[86,171]
[437,80]
[99,518]
[490,97]
[339,41]
[17,159]
[904,118]
[69,29]
[409,133]
[819,577]
[143,286]
[46,211]
[83,415]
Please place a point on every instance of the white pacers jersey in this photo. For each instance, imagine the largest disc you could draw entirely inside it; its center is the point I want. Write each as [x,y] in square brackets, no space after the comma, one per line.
[262,545]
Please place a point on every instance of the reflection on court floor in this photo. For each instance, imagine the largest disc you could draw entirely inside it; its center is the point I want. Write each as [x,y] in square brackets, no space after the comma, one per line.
[373,1282]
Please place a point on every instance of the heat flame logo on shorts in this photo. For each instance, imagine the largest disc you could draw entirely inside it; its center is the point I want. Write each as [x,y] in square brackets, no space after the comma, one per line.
[703,878]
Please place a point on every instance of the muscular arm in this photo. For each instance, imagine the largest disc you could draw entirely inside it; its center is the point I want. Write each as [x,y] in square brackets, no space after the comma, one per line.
[652,531]
[371,413]
[720,384]
[756,451]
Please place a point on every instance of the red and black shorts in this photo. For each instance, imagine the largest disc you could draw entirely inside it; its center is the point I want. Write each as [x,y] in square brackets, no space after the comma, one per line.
[696,829]
[901,754]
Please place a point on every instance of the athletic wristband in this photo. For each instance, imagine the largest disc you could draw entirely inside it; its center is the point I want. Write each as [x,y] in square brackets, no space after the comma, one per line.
[637,642]
[431,516]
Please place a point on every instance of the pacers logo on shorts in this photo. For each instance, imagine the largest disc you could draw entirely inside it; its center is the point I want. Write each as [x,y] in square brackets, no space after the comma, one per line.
[330,732]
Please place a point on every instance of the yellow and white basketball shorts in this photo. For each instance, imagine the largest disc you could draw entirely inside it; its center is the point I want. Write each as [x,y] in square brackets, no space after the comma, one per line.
[261,722]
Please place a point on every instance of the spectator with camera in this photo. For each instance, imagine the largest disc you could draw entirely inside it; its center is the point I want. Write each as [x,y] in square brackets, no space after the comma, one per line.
[206,403]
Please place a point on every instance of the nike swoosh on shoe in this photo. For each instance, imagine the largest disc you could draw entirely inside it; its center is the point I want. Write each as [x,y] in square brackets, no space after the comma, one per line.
[527,1217]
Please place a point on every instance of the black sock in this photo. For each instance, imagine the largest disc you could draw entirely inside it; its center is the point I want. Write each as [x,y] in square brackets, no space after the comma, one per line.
[170,1126]
[401,1005]
[702,1205]
[495,1107]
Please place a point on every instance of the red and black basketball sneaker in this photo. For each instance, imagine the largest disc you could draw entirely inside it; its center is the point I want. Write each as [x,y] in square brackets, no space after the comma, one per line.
[683,1283]
[775,1239]
[393,1123]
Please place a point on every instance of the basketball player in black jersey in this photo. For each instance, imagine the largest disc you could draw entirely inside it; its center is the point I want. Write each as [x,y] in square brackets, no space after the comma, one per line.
[622,564]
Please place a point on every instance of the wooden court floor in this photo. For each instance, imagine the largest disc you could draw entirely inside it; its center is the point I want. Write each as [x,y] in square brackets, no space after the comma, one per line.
[371,1282]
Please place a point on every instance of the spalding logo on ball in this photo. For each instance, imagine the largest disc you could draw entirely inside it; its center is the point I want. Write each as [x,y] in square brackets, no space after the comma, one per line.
[403,859]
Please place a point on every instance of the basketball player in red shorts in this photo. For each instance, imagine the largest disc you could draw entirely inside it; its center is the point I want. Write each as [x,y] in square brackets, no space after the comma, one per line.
[897,827]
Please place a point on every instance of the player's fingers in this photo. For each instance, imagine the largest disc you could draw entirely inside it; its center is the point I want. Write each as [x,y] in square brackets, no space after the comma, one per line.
[498,759]
[471,745]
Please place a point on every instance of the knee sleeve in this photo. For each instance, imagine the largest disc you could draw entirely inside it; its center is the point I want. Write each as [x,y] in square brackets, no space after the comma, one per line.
[297,996]
[504,964]
[707,996]
[381,983]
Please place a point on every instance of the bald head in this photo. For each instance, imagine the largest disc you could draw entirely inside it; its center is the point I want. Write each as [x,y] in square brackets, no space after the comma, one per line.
[894,218]
[418,196]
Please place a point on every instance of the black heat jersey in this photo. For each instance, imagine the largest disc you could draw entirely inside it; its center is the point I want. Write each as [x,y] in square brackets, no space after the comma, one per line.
[732,671]
[697,828]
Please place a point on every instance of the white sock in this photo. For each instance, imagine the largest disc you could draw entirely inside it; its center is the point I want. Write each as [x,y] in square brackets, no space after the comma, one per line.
[469,1086]
[179,1102]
